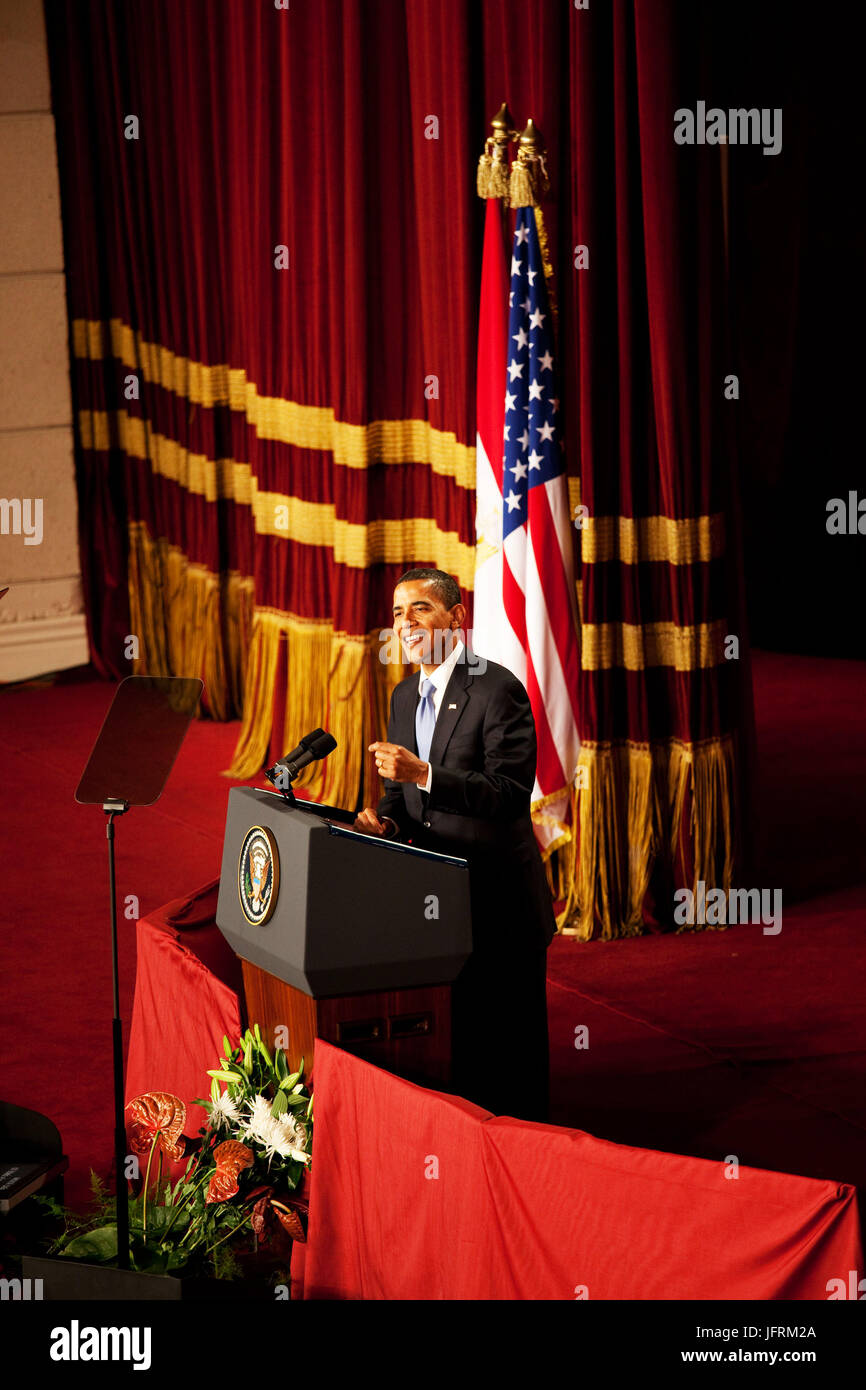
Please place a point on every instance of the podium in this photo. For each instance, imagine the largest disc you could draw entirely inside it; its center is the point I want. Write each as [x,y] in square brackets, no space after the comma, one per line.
[342,936]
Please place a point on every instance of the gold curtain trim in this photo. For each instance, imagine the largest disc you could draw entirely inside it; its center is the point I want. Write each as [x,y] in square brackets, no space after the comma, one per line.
[632,540]
[631,811]
[188,621]
[272,417]
[357,544]
[605,645]
[333,679]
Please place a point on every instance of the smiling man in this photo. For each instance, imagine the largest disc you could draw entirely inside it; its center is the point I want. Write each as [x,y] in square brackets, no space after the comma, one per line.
[458,768]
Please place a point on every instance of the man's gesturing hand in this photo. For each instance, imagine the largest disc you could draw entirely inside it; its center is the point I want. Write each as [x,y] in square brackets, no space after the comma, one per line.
[398,764]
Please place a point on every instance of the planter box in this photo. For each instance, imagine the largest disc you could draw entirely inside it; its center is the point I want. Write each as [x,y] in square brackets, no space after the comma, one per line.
[74,1280]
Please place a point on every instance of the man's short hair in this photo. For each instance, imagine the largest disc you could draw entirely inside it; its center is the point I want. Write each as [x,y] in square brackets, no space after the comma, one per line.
[446,589]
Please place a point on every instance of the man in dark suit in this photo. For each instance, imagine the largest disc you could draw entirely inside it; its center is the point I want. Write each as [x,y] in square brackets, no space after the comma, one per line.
[459,767]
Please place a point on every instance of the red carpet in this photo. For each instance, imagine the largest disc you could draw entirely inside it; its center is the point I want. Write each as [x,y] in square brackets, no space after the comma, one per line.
[710,1044]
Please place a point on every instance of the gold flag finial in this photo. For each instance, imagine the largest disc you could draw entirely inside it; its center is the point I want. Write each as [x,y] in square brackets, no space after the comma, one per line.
[529,181]
[493,164]
[503,124]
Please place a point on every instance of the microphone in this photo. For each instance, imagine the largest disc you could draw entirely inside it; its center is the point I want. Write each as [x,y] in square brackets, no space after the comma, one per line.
[306,742]
[312,747]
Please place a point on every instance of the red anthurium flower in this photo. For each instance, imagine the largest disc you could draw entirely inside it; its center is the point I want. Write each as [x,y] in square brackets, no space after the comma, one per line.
[157,1112]
[231,1158]
[289,1220]
[257,1221]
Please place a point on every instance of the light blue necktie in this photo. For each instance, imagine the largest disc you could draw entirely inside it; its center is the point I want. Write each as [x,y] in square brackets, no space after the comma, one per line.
[425,720]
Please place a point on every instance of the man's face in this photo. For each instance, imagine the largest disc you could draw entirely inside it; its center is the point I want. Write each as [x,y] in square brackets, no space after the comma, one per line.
[426,628]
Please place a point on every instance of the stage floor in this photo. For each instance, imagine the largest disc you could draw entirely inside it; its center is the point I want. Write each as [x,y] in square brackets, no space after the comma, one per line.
[712,1043]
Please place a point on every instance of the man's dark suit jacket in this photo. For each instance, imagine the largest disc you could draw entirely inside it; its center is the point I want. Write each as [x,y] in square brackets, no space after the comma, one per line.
[483,759]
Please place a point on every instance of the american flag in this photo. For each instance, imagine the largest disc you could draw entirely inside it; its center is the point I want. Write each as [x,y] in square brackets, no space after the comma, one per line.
[524,606]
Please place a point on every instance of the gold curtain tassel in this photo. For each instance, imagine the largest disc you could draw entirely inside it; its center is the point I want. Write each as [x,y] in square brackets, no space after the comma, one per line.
[493,177]
[529,181]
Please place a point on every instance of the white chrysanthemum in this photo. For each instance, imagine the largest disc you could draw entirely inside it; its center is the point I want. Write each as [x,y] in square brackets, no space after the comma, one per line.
[223,1111]
[274,1136]
[260,1113]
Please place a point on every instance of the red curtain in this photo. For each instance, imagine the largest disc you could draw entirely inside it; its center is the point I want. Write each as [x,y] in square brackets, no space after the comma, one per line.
[273,435]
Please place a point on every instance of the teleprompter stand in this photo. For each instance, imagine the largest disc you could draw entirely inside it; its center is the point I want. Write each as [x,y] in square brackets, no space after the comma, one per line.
[129,766]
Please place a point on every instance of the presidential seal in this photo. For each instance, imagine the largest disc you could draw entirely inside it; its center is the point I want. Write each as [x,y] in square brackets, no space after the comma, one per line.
[258,875]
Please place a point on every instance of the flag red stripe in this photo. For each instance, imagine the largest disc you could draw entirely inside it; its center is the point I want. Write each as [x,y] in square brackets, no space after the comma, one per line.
[549,771]
[544,540]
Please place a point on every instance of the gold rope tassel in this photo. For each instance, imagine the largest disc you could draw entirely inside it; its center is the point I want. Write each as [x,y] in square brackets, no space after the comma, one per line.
[252,746]
[642,829]
[560,867]
[529,181]
[493,176]
[614,843]
[713,814]
[336,780]
[176,612]
[635,796]
[326,685]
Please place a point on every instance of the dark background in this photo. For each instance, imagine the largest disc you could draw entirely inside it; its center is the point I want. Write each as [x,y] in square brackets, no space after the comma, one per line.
[797,254]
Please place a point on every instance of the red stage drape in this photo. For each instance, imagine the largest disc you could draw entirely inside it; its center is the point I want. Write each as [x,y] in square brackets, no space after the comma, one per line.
[186,1001]
[273,434]
[481,1207]
[486,1208]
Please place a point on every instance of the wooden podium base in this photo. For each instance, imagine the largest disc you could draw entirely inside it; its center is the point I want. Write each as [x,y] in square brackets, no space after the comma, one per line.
[405,1031]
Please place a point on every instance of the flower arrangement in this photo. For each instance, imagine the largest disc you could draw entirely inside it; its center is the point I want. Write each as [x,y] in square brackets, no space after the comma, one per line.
[242,1187]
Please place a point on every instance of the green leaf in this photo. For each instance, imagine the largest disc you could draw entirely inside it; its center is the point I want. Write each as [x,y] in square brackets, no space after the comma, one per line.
[224,1076]
[280,1105]
[257,1033]
[294,1101]
[248,1059]
[160,1217]
[310,1108]
[281,1064]
[99,1245]
[267,1056]
[227,1048]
